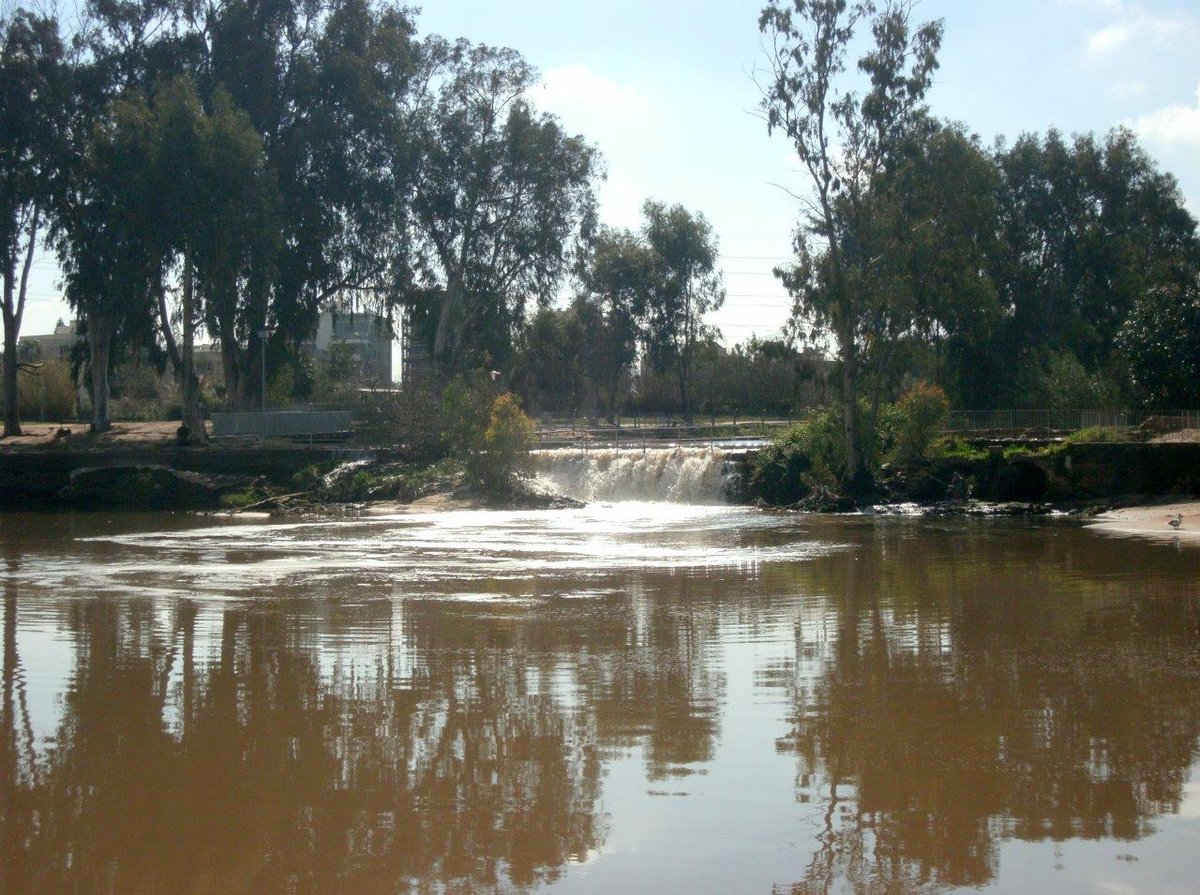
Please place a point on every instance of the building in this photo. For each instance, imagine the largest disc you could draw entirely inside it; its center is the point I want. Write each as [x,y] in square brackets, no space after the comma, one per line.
[51,346]
[363,339]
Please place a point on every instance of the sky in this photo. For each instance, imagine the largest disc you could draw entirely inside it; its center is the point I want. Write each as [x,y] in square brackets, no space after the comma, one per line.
[666,90]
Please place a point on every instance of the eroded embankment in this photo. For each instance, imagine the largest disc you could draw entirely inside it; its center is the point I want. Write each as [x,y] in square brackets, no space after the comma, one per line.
[153,478]
[1077,472]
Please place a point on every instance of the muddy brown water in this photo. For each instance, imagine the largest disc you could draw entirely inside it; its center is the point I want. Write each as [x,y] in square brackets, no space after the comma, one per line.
[624,698]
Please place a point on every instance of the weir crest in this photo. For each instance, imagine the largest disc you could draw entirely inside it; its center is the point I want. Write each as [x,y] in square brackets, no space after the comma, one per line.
[701,475]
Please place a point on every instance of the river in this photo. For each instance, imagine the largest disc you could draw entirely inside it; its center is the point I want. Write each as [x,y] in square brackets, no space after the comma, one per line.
[630,697]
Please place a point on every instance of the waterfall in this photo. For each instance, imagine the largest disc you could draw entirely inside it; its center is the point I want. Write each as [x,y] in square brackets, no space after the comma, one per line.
[675,474]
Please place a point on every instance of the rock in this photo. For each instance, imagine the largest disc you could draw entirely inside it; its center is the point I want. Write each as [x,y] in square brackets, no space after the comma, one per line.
[140,487]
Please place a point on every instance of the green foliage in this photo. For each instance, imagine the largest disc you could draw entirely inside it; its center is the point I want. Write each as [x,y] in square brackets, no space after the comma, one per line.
[1161,345]
[954,446]
[1095,434]
[308,478]
[807,454]
[505,446]
[908,427]
[1058,381]
[487,432]
[236,500]
[281,386]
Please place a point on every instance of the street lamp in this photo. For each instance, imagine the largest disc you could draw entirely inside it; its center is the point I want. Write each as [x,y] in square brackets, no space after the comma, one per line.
[264,334]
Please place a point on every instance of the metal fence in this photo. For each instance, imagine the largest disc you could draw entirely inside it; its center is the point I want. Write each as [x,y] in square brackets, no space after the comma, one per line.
[990,424]
[1058,423]
[283,424]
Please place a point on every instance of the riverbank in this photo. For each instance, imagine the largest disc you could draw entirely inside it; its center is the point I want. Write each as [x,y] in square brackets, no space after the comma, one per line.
[1153,520]
[140,466]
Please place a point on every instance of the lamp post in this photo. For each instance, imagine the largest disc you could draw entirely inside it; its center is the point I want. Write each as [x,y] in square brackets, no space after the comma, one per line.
[264,334]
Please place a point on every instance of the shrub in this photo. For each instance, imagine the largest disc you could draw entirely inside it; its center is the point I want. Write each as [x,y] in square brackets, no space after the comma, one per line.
[506,444]
[908,428]
[807,454]
[488,432]
[1094,434]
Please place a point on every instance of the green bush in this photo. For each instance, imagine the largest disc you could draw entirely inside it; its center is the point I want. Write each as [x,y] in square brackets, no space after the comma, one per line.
[805,455]
[908,428]
[1094,434]
[954,446]
[506,444]
[489,433]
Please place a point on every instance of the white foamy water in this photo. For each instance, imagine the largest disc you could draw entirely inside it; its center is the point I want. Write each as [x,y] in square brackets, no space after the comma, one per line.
[671,474]
[427,553]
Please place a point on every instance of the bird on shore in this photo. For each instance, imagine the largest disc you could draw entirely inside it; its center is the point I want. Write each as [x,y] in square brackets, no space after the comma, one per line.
[1177,522]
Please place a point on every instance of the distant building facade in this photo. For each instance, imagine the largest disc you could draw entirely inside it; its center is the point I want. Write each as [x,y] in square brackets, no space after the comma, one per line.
[50,346]
[364,339]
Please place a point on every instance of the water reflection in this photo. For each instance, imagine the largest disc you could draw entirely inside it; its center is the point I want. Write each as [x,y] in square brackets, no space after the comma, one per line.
[931,692]
[956,693]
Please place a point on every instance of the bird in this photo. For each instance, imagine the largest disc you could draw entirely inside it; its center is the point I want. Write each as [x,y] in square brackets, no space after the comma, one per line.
[1177,522]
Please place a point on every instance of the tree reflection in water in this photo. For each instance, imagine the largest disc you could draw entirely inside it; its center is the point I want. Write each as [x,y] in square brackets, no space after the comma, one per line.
[249,755]
[944,691]
[948,697]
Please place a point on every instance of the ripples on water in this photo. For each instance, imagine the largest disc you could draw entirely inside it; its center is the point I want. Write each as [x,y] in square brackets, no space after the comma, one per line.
[631,696]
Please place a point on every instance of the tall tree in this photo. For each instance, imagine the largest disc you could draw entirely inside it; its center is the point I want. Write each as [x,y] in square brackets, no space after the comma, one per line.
[503,194]
[930,233]
[110,250]
[32,94]
[846,142]
[616,280]
[218,220]
[686,285]
[1088,228]
[332,89]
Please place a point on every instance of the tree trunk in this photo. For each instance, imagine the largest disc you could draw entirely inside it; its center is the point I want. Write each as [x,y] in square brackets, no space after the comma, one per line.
[683,390]
[614,388]
[192,418]
[449,300]
[100,335]
[14,310]
[231,370]
[12,410]
[858,479]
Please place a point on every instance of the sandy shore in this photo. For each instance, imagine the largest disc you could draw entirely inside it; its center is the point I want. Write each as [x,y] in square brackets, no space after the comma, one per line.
[1151,521]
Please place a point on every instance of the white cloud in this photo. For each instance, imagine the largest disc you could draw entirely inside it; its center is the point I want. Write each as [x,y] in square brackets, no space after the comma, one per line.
[1107,39]
[573,89]
[1171,126]
[1131,23]
[621,202]
[1129,90]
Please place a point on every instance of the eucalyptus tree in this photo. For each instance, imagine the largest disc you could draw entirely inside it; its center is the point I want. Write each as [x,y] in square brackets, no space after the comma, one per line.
[929,230]
[685,286]
[106,228]
[846,142]
[504,193]
[111,252]
[217,217]
[32,94]
[329,88]
[615,286]
[1090,228]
